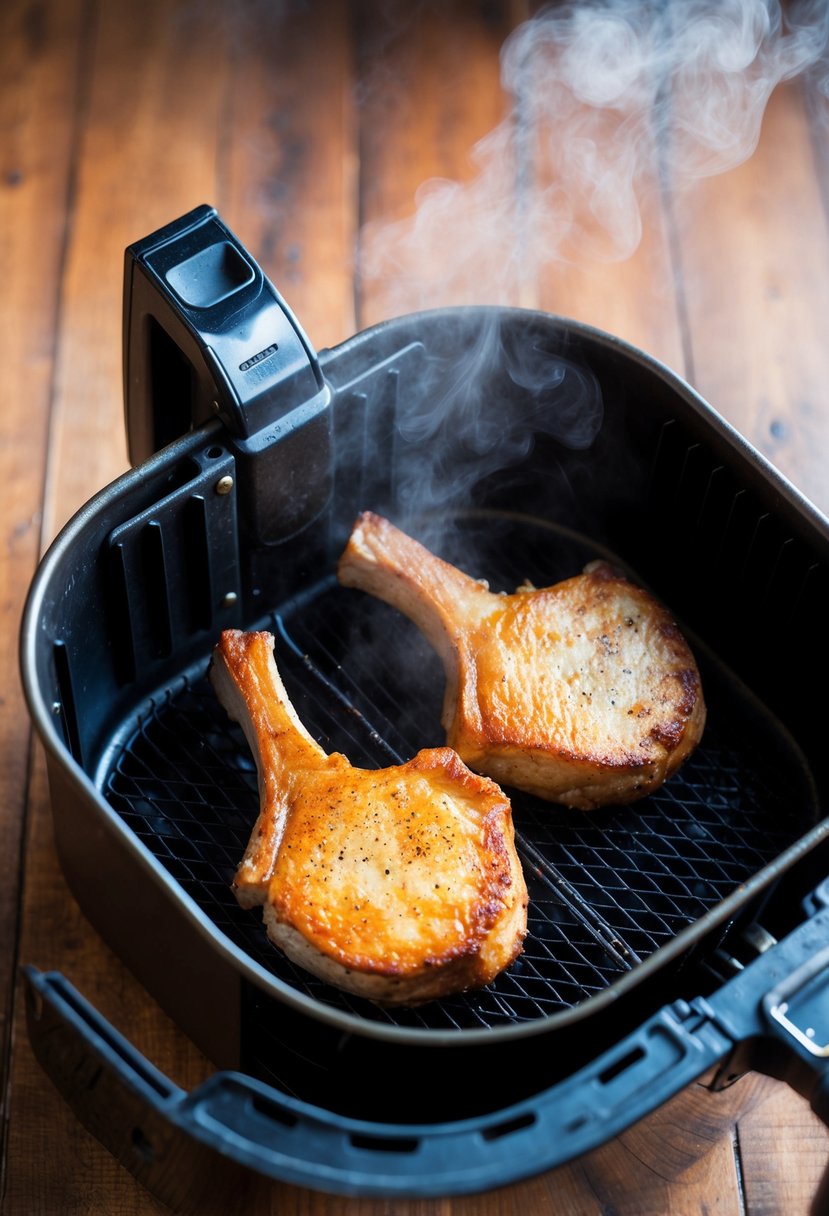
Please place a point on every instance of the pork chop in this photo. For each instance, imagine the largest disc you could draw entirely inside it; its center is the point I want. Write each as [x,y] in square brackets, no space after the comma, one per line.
[400,884]
[584,693]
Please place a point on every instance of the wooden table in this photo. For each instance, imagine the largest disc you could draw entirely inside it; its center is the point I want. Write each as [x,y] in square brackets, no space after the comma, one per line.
[311,126]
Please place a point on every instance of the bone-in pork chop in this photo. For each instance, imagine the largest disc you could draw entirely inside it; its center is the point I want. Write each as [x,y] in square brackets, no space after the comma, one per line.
[583,693]
[400,884]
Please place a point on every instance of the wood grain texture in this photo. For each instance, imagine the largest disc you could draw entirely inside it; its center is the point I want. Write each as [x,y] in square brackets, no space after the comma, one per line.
[783,1154]
[287,155]
[601,243]
[40,67]
[755,275]
[437,183]
[151,113]
[303,122]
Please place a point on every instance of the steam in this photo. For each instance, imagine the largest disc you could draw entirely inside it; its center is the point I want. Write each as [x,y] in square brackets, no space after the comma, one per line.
[610,99]
[614,104]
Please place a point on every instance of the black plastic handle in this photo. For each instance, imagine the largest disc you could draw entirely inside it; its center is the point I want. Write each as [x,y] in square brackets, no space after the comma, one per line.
[206,334]
[773,1016]
[253,1125]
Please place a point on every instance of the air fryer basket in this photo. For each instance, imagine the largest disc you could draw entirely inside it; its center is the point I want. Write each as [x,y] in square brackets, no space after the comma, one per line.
[517,445]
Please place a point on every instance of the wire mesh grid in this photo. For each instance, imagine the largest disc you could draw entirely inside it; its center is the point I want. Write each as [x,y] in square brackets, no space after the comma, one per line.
[606,890]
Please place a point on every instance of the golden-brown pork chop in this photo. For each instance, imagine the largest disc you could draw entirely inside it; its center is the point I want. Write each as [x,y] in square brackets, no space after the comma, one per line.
[400,884]
[584,693]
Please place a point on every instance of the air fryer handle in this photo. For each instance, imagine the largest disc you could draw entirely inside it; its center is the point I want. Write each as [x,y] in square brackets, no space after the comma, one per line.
[249,1126]
[207,335]
[145,1121]
[773,1015]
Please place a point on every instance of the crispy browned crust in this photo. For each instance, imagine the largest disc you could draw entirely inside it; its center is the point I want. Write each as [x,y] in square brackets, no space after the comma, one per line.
[584,693]
[400,884]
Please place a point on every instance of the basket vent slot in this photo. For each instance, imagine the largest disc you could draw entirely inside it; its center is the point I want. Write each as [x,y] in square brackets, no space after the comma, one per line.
[153,573]
[174,567]
[384,1144]
[627,1061]
[510,1126]
[263,1105]
[65,705]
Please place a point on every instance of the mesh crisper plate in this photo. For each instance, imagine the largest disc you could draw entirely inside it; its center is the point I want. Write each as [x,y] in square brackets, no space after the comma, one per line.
[606,889]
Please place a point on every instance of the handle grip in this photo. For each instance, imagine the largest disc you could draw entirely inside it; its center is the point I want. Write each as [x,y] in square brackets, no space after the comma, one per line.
[135,1111]
[206,334]
[237,1120]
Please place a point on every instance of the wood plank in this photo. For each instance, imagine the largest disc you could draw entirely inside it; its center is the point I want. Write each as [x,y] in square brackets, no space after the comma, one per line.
[489,222]
[755,253]
[287,173]
[155,143]
[181,110]
[148,153]
[784,1153]
[615,1180]
[816,101]
[144,65]
[599,232]
[147,71]
[435,208]
[39,67]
